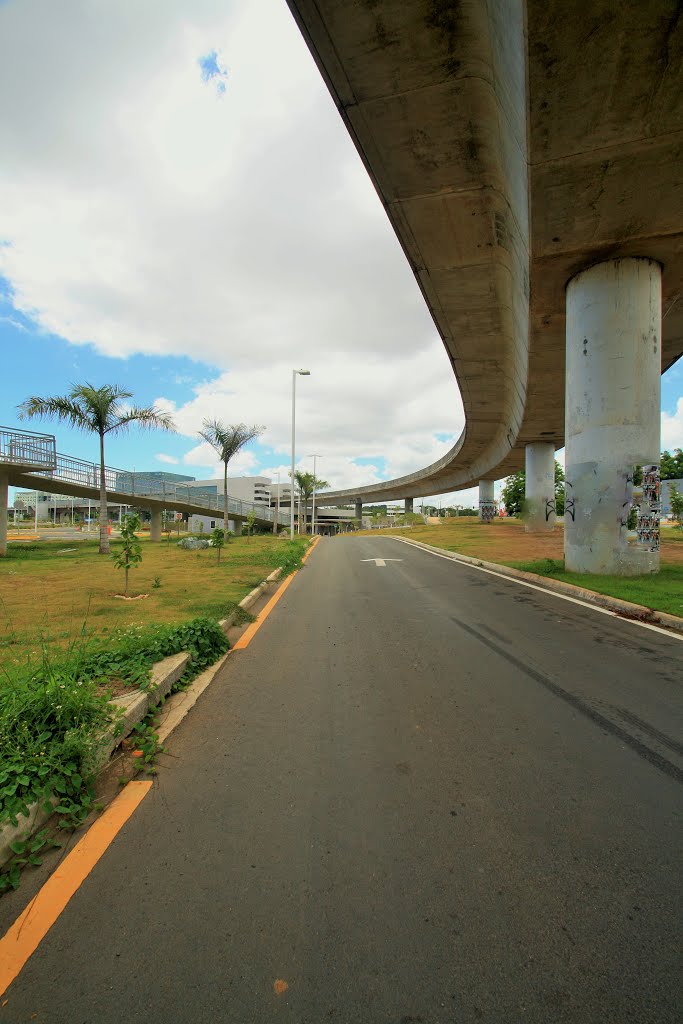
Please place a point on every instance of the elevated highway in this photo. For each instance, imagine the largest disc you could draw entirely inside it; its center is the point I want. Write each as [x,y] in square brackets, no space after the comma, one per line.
[513,145]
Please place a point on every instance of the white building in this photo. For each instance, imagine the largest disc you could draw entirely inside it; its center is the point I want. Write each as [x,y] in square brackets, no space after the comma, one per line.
[244,488]
[253,489]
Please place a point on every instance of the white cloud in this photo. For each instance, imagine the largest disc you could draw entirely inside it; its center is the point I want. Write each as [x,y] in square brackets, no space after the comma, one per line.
[346,410]
[146,213]
[204,457]
[672,428]
[170,459]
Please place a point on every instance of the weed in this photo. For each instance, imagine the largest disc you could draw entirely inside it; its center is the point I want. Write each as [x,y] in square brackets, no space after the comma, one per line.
[145,739]
[25,852]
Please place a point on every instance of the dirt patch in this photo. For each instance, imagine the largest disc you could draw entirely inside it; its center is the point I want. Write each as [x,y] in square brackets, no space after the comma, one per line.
[506,540]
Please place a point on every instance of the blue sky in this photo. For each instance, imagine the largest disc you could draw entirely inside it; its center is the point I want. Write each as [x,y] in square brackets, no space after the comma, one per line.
[195,224]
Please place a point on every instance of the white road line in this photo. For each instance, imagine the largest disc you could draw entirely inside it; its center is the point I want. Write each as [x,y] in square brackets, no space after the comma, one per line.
[381,561]
[543,590]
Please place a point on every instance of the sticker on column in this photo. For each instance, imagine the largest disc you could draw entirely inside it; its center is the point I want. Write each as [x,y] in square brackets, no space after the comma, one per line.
[649,511]
[487,511]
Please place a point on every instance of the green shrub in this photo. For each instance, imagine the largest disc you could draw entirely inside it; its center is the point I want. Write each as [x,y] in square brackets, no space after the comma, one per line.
[50,721]
[52,714]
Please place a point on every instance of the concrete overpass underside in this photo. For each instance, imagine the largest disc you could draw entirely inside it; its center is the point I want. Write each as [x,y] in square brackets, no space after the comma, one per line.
[513,145]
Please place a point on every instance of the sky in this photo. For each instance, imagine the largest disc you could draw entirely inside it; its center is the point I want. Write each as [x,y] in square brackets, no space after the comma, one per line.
[182,212]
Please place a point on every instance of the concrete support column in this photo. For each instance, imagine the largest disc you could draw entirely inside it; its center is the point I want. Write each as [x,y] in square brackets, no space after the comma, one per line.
[612,417]
[3,514]
[487,506]
[409,506]
[155,526]
[539,487]
[358,514]
[237,527]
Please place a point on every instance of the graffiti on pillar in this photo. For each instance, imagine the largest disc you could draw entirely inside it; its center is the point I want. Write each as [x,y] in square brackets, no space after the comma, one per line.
[650,509]
[487,511]
[569,509]
[628,502]
[550,508]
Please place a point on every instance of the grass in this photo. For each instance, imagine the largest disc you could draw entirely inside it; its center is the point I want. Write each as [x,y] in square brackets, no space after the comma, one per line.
[505,541]
[54,591]
[662,592]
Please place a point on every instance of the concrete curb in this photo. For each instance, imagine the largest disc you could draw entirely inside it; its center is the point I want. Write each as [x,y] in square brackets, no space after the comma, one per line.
[132,708]
[250,599]
[614,604]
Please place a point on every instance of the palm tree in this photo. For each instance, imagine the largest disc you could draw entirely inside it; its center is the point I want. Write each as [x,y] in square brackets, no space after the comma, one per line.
[227,439]
[98,411]
[307,483]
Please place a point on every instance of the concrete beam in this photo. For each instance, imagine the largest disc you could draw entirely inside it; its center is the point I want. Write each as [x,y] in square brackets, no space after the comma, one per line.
[613,386]
[155,526]
[487,505]
[539,489]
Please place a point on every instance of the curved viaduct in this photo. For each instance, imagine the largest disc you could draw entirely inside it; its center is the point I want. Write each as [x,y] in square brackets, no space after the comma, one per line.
[513,145]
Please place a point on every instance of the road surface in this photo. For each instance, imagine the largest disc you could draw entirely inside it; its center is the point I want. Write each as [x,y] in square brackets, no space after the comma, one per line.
[422,794]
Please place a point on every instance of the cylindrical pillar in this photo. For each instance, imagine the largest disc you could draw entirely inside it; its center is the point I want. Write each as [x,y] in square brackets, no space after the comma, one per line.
[3,514]
[487,505]
[237,527]
[409,506]
[539,487]
[155,526]
[358,515]
[612,416]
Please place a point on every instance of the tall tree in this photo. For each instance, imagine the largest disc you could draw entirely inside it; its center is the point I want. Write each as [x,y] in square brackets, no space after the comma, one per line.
[513,492]
[98,411]
[307,483]
[672,465]
[227,439]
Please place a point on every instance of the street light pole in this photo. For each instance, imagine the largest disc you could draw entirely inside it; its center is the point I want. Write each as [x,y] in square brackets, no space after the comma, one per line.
[277,505]
[302,373]
[313,509]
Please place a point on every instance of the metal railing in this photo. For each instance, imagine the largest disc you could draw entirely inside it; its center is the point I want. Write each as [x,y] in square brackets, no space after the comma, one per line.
[36,453]
[146,485]
[27,449]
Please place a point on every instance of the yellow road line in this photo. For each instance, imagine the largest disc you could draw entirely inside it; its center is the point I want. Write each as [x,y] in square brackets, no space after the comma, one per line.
[253,629]
[34,923]
[315,541]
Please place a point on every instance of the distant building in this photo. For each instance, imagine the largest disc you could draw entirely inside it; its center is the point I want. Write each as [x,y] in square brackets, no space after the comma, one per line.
[61,508]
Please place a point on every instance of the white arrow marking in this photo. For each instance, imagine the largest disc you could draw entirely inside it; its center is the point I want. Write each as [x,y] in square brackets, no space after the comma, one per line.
[381,561]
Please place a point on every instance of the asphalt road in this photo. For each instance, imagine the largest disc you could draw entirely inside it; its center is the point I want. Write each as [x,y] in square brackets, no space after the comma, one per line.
[422,794]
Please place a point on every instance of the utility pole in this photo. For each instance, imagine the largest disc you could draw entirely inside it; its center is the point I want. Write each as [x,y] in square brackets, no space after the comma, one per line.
[277,504]
[314,482]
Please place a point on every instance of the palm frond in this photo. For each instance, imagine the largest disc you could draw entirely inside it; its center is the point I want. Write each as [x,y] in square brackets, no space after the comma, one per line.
[227,439]
[61,407]
[149,418]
